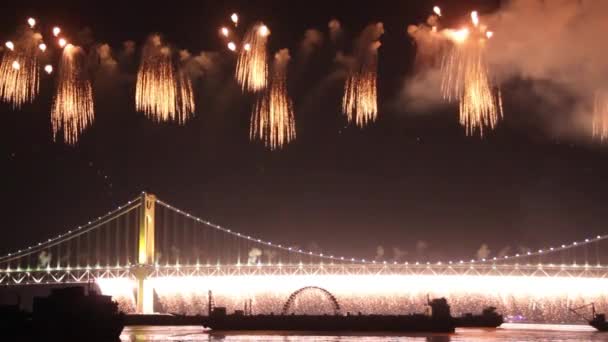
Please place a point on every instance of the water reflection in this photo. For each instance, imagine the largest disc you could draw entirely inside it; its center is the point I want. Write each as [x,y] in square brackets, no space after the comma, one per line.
[533,333]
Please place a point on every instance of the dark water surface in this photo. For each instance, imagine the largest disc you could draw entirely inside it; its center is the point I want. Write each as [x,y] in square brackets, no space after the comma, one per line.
[509,332]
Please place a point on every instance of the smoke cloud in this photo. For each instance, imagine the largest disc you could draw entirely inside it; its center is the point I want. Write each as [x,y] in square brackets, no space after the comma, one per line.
[556,45]
[197,66]
[483,252]
[313,39]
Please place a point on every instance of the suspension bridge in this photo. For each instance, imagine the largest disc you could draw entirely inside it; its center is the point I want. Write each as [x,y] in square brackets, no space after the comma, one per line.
[153,257]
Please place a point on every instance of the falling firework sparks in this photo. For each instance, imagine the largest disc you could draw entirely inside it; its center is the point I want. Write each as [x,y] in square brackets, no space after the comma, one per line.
[56,31]
[465,78]
[19,72]
[72,109]
[160,92]
[272,120]
[252,67]
[359,102]
[437,10]
[600,116]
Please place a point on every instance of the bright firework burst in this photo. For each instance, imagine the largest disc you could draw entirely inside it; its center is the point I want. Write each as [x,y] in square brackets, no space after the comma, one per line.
[19,72]
[465,78]
[72,110]
[600,116]
[272,120]
[252,67]
[360,100]
[162,93]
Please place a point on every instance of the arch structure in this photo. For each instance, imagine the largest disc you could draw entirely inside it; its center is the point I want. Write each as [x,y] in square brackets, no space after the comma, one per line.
[327,294]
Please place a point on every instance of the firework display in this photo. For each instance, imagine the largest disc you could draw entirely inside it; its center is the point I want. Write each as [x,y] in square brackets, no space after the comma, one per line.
[162,93]
[19,68]
[465,77]
[252,66]
[360,100]
[272,120]
[164,88]
[600,116]
[72,110]
[374,294]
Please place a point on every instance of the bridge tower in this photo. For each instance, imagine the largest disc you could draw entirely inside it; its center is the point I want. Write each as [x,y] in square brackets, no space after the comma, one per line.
[146,258]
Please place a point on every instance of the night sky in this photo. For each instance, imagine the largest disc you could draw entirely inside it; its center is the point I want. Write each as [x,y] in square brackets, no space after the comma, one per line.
[409,177]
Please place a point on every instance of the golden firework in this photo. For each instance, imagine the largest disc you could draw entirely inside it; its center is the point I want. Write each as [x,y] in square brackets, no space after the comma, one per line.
[19,72]
[600,116]
[72,110]
[162,93]
[273,120]
[360,100]
[465,78]
[252,67]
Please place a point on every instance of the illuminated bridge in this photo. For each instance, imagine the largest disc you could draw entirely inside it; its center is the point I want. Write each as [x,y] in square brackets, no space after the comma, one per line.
[153,257]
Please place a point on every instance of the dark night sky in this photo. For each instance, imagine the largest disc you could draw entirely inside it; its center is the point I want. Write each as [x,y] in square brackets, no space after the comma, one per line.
[408,177]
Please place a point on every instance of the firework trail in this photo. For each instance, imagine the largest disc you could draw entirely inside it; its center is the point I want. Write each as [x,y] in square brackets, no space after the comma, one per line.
[600,116]
[19,70]
[465,78]
[272,120]
[359,102]
[72,110]
[252,67]
[162,93]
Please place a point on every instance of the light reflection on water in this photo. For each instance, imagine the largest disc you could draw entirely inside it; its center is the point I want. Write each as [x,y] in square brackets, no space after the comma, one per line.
[509,332]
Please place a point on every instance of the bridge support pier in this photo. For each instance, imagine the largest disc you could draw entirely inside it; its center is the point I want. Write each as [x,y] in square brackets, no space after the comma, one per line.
[146,258]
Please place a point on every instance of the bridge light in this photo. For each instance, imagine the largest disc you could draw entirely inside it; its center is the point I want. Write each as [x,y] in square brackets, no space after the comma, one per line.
[574,243]
[563,246]
[598,237]
[540,251]
[517,255]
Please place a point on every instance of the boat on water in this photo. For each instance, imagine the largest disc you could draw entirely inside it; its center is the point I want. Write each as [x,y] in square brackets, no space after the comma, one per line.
[439,320]
[597,320]
[489,318]
[70,314]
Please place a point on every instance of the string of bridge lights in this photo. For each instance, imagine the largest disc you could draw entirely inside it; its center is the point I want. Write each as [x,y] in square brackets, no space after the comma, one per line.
[135,203]
[83,229]
[516,256]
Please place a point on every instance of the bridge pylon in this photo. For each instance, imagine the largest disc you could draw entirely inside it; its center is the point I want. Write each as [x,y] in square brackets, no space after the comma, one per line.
[146,257]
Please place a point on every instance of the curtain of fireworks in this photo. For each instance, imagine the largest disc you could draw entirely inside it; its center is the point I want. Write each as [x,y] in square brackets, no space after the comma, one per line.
[600,116]
[19,72]
[272,120]
[72,110]
[252,66]
[162,92]
[360,100]
[465,77]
